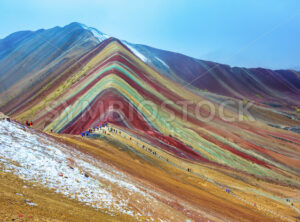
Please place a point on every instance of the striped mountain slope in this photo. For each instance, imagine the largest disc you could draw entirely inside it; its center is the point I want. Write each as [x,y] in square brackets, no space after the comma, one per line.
[111,84]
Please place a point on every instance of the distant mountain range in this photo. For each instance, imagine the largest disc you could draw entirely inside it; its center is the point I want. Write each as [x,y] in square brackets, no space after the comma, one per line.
[27,58]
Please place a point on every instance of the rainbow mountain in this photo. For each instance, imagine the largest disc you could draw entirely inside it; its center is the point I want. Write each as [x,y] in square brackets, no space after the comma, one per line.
[73,78]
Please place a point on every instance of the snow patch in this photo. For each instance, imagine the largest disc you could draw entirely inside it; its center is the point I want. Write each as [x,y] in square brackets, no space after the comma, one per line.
[162,62]
[136,52]
[96,33]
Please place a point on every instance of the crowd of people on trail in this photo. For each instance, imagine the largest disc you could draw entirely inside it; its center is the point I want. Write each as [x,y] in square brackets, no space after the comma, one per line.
[112,130]
[30,124]
[91,130]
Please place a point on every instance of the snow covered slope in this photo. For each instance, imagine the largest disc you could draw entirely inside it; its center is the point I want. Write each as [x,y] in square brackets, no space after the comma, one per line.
[35,157]
[96,33]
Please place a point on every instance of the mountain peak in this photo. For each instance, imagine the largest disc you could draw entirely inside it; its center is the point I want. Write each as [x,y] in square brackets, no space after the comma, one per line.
[100,36]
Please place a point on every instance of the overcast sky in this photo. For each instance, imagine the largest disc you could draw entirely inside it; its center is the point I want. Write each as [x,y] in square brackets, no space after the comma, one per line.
[248,33]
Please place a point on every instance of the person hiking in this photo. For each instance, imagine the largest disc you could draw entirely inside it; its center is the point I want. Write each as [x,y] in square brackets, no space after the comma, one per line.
[30,124]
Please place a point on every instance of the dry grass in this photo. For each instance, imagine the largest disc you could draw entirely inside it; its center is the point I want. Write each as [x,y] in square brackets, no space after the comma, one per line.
[51,206]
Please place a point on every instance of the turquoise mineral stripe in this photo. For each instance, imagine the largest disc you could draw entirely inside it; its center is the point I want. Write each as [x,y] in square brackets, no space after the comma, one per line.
[251,152]
[92,79]
[108,67]
[222,156]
